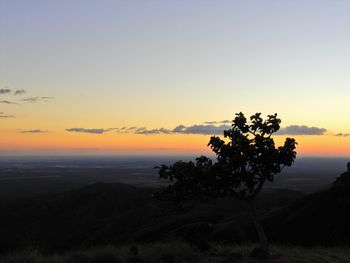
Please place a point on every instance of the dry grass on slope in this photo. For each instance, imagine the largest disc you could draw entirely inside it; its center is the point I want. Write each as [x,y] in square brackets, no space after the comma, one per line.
[176,252]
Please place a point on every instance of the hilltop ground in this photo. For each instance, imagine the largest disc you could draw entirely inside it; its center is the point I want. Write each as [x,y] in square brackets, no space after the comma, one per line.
[101,221]
[175,252]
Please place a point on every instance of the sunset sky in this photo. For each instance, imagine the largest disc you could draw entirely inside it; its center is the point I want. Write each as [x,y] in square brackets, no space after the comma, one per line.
[120,77]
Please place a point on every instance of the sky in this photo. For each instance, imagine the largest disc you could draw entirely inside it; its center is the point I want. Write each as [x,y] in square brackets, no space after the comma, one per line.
[120,77]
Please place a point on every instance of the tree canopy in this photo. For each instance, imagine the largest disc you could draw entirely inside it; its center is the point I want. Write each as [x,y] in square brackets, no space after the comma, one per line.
[247,157]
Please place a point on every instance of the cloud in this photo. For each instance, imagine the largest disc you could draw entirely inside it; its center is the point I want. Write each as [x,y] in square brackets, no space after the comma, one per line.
[301,130]
[7,102]
[136,130]
[34,131]
[179,129]
[218,122]
[37,99]
[92,131]
[5,91]
[152,131]
[139,130]
[47,98]
[5,116]
[31,99]
[342,134]
[121,129]
[20,92]
[201,129]
[210,129]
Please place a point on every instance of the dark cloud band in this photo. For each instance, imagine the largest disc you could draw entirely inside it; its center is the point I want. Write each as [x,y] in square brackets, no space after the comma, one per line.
[200,129]
[301,130]
[342,134]
[7,102]
[5,116]
[34,131]
[208,129]
[37,99]
[20,92]
[5,91]
[9,91]
[92,131]
[218,122]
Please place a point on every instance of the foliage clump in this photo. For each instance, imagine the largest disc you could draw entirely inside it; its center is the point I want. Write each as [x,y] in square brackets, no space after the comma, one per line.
[247,157]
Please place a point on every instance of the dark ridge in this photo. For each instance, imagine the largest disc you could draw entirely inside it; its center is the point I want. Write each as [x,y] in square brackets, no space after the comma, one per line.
[318,219]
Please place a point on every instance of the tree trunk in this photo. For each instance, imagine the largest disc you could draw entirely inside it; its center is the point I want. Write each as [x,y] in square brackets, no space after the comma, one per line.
[263,251]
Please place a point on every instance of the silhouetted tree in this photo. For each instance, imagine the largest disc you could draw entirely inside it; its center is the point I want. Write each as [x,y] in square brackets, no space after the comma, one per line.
[246,158]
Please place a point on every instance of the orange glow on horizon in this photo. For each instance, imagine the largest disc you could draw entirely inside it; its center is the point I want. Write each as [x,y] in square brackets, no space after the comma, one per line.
[165,143]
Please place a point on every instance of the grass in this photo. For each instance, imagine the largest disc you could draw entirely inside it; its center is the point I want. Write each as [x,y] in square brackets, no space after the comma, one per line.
[176,252]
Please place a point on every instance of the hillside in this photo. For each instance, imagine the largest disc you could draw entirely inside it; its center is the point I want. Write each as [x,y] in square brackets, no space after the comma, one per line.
[115,213]
[101,214]
[176,252]
[62,221]
[321,218]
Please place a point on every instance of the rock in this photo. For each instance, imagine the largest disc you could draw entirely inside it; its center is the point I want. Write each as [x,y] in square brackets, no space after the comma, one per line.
[259,253]
[195,229]
[165,259]
[201,243]
[105,258]
[134,250]
[78,258]
[136,260]
[232,258]
[195,233]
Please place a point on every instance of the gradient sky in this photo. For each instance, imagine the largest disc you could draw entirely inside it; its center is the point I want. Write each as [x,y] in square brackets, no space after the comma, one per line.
[158,64]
